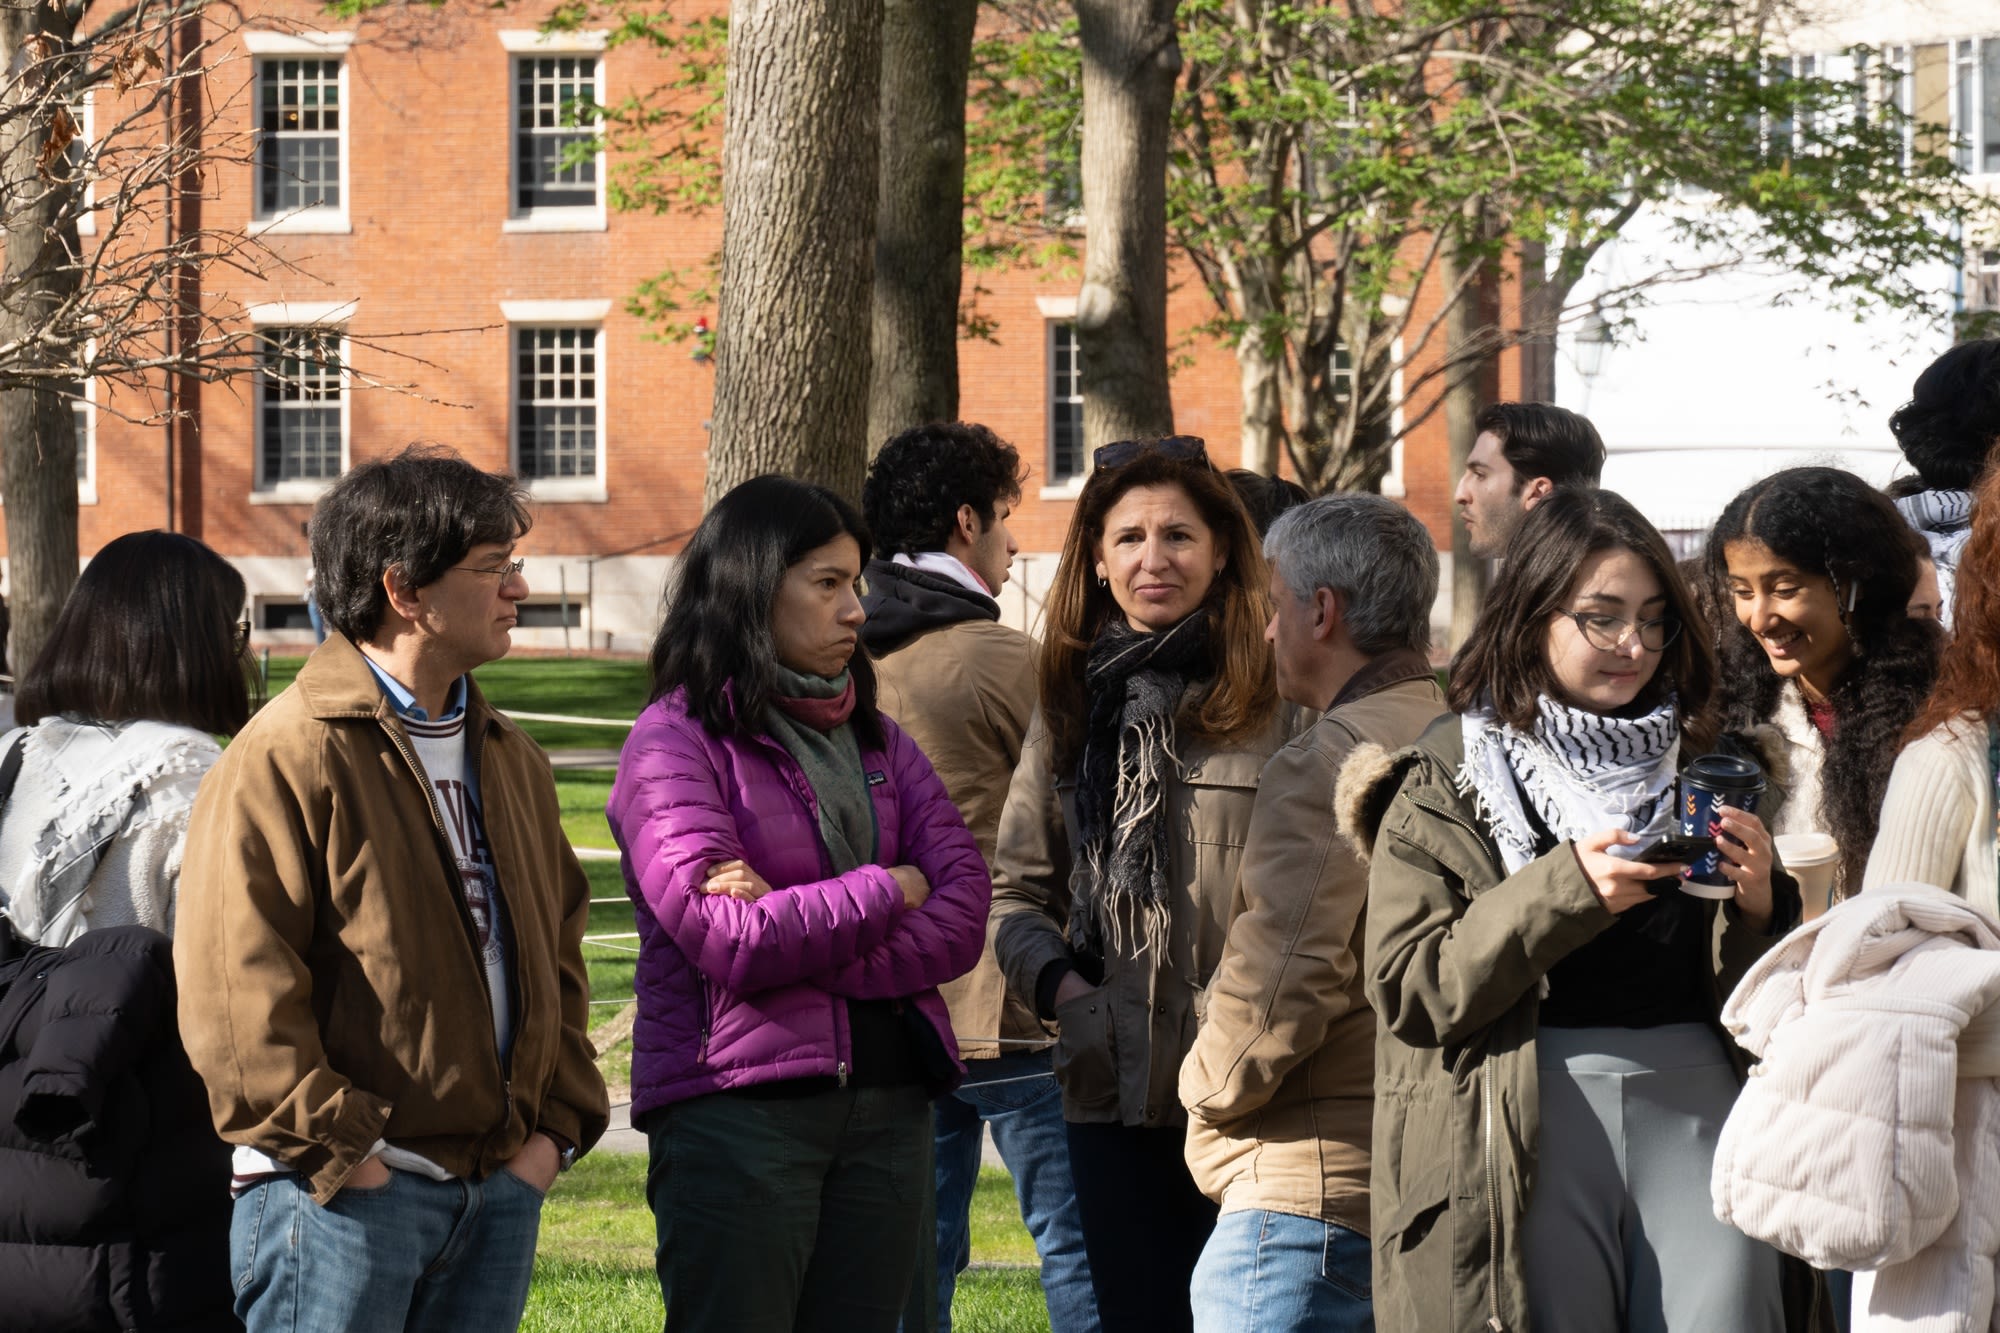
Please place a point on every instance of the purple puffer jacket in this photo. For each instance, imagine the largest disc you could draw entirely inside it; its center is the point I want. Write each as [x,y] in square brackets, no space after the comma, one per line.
[734,993]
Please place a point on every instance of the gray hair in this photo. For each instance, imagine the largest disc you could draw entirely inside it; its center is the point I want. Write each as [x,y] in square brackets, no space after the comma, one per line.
[1372,551]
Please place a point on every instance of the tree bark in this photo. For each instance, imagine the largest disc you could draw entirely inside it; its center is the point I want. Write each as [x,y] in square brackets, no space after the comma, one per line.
[1541,309]
[1466,388]
[1131,62]
[799,155]
[919,220]
[37,427]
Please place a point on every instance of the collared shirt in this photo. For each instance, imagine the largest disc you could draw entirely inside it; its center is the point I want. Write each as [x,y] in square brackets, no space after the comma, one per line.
[405,703]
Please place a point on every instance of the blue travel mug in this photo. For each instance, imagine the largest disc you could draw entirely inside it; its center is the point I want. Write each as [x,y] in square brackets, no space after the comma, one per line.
[1712,780]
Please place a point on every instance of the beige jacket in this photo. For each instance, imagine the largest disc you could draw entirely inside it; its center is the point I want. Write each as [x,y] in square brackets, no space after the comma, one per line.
[332,991]
[965,692]
[1864,1141]
[1280,1085]
[1119,1052]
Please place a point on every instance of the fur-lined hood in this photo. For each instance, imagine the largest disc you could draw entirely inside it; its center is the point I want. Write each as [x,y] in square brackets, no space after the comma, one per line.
[1373,775]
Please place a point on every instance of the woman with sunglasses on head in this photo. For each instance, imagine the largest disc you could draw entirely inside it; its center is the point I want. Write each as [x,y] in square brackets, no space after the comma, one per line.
[117,1187]
[1550,1076]
[1821,662]
[1121,836]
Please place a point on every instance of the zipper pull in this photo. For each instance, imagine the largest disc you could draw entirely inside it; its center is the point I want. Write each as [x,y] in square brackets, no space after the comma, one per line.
[841,1071]
[1493,1325]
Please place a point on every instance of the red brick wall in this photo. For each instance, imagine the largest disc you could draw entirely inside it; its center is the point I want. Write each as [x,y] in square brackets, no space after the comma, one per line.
[427,150]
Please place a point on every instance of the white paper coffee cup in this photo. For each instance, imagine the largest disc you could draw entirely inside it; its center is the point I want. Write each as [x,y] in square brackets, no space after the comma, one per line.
[1811,858]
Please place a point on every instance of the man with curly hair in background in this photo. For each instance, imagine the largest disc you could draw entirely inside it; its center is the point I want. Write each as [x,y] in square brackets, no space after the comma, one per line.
[963,686]
[1946,431]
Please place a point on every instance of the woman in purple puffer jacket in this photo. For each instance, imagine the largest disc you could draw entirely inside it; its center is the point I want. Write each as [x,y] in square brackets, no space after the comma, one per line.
[803,885]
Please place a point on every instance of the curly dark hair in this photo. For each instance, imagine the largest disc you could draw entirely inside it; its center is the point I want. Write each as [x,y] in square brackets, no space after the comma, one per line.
[1833,524]
[921,477]
[1952,420]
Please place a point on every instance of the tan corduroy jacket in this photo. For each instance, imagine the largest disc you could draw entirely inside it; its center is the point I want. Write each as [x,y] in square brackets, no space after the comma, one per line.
[1280,1085]
[331,987]
[1120,1046]
[965,692]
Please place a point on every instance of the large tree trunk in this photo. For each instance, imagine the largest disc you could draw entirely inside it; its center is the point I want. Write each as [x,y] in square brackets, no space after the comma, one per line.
[919,222]
[1468,385]
[37,428]
[1541,309]
[799,154]
[1131,62]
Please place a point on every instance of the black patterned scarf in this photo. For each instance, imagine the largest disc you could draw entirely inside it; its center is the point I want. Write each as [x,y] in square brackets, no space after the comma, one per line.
[1132,687]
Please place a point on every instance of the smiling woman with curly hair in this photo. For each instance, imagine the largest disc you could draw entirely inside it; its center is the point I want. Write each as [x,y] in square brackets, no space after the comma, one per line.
[1818,568]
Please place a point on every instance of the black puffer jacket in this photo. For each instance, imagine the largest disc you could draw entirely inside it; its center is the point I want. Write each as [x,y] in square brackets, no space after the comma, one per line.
[114,1189]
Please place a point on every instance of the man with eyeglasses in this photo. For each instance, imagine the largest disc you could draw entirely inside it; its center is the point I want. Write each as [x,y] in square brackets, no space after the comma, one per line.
[379,940]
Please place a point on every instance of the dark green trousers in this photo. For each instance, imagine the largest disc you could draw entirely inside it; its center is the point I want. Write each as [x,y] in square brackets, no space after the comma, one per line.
[790,1213]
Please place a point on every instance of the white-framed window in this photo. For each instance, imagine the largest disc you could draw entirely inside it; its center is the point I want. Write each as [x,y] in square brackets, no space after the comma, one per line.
[1066,461]
[557,88]
[1982,279]
[83,416]
[1975,104]
[557,378]
[300,96]
[302,417]
[83,116]
[1897,89]
[557,402]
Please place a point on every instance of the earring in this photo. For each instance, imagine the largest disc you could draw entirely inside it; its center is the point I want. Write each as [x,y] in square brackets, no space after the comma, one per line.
[1103,582]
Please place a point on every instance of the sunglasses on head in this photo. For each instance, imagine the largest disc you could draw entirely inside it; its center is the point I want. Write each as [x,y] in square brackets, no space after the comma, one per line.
[1187,448]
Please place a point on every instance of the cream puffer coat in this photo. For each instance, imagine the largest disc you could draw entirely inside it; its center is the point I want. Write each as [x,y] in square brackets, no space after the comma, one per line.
[1866,1140]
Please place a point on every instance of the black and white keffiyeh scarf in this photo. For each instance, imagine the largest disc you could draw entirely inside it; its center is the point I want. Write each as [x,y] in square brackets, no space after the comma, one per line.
[1944,520]
[1132,687]
[1584,771]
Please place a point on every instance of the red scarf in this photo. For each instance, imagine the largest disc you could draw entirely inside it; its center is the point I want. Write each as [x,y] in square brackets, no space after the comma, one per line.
[819,714]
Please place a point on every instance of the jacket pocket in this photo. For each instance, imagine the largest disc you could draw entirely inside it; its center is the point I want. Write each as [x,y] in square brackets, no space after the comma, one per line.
[1086,1055]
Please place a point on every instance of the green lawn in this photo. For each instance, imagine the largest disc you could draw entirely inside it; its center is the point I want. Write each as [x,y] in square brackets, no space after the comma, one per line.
[575,686]
[594,1269]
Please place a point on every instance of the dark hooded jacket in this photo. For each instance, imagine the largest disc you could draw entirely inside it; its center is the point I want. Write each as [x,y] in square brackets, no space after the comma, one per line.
[114,1189]
[963,686]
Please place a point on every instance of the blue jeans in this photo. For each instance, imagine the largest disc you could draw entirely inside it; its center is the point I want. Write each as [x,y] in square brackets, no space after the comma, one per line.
[1274,1272]
[419,1255]
[1017,1096]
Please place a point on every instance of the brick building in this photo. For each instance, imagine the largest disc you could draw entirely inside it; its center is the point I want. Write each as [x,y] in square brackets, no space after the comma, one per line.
[409,168]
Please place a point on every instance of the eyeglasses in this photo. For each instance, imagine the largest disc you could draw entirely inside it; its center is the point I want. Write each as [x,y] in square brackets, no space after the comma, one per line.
[242,634]
[1187,448]
[506,571]
[1611,633]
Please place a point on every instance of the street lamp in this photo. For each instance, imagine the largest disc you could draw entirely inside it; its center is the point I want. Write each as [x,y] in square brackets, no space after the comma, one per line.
[1593,339]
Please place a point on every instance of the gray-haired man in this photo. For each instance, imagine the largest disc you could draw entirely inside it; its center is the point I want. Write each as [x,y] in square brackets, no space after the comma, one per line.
[1279,1085]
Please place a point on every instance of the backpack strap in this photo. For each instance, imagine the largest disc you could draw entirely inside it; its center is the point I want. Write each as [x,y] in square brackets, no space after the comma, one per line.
[10,766]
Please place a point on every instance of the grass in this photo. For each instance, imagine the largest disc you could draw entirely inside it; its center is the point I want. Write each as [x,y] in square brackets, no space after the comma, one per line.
[594,1267]
[577,686]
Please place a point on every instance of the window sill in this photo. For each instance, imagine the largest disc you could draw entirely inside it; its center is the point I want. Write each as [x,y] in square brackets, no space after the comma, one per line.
[1063,490]
[86,493]
[568,490]
[290,493]
[303,222]
[556,220]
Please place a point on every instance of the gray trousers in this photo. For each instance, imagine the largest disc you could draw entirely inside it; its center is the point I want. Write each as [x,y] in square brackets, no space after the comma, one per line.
[1620,1233]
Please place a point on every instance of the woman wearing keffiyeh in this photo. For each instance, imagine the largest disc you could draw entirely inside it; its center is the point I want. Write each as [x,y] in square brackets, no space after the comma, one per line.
[1123,829]
[1550,1073]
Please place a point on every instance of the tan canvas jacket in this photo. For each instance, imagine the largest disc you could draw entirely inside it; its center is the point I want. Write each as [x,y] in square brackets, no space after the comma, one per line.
[1119,1048]
[965,692]
[1280,1085]
[331,988]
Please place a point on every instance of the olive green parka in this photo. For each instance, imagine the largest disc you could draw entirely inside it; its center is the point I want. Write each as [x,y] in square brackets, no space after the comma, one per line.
[1457,950]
